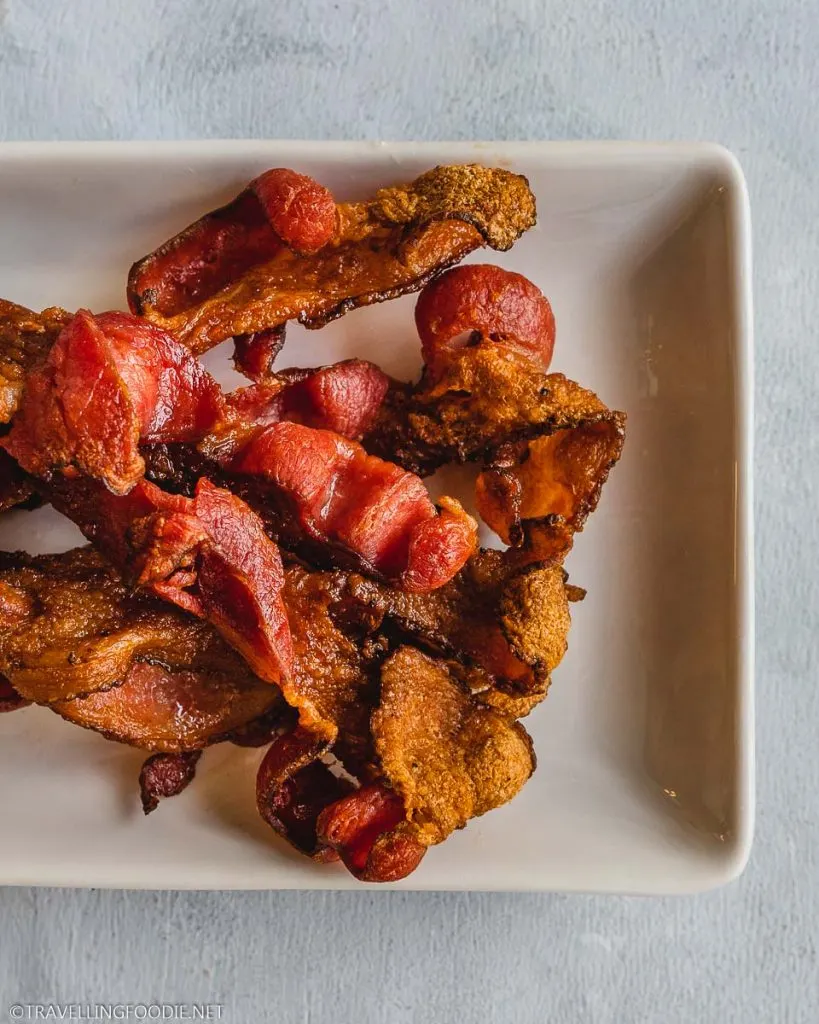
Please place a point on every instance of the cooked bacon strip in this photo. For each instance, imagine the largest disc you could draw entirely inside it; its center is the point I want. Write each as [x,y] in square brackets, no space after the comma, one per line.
[16,487]
[344,397]
[447,757]
[70,626]
[254,354]
[208,554]
[383,248]
[364,828]
[293,787]
[541,498]
[173,710]
[10,699]
[25,338]
[485,398]
[330,686]
[277,210]
[109,383]
[369,508]
[506,623]
[481,302]
[164,775]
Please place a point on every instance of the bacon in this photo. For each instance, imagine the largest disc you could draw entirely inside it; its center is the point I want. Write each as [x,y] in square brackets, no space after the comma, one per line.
[541,493]
[70,626]
[362,828]
[447,757]
[482,302]
[277,210]
[486,402]
[164,775]
[293,787]
[254,354]
[388,246]
[344,397]
[16,487]
[25,338]
[10,699]
[208,554]
[173,710]
[109,383]
[370,509]
[505,624]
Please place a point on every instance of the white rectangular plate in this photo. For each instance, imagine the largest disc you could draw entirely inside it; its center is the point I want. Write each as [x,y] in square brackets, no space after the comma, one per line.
[645,744]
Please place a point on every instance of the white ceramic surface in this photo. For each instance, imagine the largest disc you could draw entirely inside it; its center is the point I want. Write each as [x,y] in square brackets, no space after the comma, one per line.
[645,744]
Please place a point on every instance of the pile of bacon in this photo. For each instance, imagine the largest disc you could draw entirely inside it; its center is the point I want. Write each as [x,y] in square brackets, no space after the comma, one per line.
[266,567]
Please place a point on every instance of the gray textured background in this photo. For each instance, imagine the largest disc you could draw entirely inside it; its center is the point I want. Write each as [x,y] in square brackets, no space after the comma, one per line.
[738,72]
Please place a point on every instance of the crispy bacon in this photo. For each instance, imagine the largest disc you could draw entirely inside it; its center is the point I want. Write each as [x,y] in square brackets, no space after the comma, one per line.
[364,828]
[277,210]
[380,249]
[486,398]
[208,554]
[108,383]
[538,496]
[481,302]
[25,338]
[173,710]
[330,686]
[447,757]
[70,626]
[16,487]
[344,397]
[292,789]
[505,623]
[164,775]
[370,509]
[10,699]
[254,354]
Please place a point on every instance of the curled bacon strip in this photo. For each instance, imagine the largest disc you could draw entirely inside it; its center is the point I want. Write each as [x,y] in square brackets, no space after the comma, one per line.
[10,699]
[344,397]
[482,302]
[164,775]
[279,209]
[362,828]
[110,382]
[369,508]
[208,554]
[216,281]
[540,493]
[293,787]
[254,354]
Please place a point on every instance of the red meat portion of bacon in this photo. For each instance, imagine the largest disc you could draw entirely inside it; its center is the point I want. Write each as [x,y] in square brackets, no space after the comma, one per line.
[482,302]
[208,555]
[363,829]
[279,209]
[344,397]
[370,508]
[109,383]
